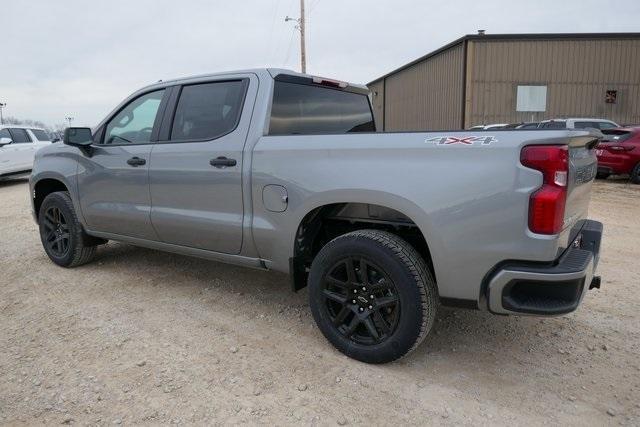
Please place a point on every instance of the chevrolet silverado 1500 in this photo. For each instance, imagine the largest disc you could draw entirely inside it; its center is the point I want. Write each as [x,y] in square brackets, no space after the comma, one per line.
[283,171]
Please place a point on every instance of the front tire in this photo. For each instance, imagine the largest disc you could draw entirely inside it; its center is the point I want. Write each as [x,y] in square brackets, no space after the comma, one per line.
[372,295]
[61,234]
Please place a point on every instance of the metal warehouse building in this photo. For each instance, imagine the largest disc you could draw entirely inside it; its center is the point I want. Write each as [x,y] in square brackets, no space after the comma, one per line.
[512,78]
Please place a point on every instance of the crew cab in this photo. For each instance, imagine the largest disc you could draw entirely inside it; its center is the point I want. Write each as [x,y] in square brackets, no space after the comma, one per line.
[276,170]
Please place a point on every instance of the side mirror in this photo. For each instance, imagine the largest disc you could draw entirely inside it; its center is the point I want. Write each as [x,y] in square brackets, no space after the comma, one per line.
[5,141]
[78,137]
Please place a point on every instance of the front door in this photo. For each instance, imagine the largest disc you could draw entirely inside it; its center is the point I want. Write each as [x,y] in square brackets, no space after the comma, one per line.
[113,176]
[9,154]
[196,166]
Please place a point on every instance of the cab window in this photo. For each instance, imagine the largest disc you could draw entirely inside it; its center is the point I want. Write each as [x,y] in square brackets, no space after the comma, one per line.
[208,111]
[19,136]
[40,135]
[606,125]
[134,123]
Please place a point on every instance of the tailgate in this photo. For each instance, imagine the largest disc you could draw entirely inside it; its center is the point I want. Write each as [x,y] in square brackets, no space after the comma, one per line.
[583,166]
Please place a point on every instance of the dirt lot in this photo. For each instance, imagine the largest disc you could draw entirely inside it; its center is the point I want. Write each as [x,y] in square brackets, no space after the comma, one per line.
[141,336]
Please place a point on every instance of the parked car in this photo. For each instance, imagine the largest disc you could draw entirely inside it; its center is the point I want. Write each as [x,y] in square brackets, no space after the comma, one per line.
[578,124]
[18,146]
[491,126]
[282,171]
[619,153]
[523,125]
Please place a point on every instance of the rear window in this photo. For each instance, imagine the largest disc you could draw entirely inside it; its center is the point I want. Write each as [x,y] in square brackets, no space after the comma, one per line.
[301,109]
[529,126]
[553,125]
[615,136]
[40,135]
[606,125]
[208,111]
[19,136]
[586,125]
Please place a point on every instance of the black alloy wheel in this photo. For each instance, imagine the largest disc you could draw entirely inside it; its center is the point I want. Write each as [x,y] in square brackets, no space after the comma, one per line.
[372,295]
[61,233]
[361,300]
[56,229]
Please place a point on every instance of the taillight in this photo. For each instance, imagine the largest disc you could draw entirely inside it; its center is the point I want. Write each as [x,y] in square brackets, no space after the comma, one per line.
[546,205]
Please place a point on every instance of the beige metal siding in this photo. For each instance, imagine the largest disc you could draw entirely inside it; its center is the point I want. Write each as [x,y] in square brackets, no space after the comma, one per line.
[577,74]
[377,102]
[426,95]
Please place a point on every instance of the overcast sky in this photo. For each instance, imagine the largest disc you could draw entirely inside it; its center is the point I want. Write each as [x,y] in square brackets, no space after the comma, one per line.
[81,58]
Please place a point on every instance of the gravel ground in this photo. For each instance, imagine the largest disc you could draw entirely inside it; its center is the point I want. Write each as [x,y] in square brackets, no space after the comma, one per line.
[140,336]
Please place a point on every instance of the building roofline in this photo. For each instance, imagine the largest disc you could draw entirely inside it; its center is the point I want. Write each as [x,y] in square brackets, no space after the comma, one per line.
[525,36]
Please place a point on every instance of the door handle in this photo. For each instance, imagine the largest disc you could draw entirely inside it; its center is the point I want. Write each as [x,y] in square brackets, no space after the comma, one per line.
[136,161]
[222,161]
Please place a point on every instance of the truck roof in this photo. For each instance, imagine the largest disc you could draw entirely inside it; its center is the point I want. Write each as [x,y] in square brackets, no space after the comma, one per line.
[271,72]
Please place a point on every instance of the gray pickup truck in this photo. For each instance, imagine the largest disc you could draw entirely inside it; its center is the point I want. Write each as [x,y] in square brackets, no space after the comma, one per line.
[282,171]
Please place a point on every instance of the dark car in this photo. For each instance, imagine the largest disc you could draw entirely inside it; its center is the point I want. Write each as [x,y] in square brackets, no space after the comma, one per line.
[619,153]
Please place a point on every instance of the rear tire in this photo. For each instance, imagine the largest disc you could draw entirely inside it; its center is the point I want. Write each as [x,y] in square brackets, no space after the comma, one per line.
[372,295]
[635,174]
[61,234]
[602,175]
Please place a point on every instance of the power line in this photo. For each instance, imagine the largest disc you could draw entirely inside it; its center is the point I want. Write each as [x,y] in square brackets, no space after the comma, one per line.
[293,33]
[270,49]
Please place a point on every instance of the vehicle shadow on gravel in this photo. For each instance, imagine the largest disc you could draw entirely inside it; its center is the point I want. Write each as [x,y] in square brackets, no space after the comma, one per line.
[466,336]
[13,182]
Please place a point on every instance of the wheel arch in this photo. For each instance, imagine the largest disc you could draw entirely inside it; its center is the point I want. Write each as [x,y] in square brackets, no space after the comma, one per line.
[43,187]
[324,221]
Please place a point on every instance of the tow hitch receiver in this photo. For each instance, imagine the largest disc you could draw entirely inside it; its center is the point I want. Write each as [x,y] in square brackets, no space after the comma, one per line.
[595,282]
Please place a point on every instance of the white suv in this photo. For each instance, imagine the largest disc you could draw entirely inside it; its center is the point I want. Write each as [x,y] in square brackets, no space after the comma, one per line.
[18,146]
[577,124]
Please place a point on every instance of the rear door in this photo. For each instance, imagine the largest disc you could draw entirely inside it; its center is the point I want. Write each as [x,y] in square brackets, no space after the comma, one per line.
[40,138]
[196,166]
[113,177]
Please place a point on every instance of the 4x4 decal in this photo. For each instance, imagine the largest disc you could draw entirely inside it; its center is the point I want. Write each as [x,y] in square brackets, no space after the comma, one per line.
[464,140]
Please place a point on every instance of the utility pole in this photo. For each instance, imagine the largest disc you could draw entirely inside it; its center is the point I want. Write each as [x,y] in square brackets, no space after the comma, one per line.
[2,105]
[69,119]
[301,26]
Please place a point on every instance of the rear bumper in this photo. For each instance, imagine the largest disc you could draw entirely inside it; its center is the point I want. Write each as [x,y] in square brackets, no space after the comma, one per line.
[548,290]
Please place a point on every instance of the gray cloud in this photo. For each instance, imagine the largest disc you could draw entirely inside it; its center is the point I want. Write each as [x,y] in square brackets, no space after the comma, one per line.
[80,58]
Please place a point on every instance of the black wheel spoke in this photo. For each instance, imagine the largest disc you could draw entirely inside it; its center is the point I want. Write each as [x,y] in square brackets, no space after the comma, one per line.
[371,328]
[378,319]
[361,301]
[333,296]
[363,272]
[342,315]
[339,283]
[386,301]
[48,224]
[351,272]
[353,325]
